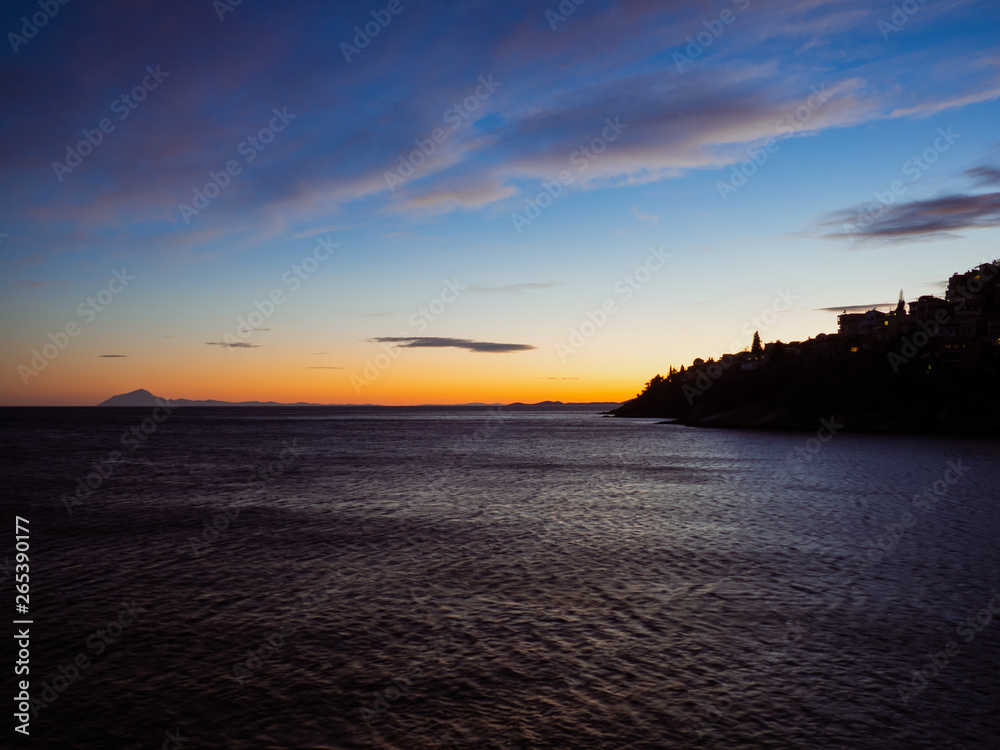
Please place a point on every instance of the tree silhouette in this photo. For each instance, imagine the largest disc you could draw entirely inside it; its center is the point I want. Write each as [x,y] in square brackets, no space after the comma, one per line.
[756,348]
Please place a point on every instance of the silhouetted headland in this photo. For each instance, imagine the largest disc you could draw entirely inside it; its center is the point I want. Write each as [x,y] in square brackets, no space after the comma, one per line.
[932,368]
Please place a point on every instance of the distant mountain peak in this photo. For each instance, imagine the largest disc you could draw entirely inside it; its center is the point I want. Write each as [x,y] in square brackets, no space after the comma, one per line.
[138,397]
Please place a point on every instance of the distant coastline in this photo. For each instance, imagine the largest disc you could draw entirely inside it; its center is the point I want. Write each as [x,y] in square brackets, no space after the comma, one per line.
[930,369]
[143,398]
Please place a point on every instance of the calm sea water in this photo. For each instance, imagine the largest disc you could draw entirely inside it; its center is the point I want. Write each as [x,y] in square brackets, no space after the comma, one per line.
[461,578]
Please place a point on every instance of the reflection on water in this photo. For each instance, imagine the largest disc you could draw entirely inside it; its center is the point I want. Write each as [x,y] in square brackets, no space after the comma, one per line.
[324,578]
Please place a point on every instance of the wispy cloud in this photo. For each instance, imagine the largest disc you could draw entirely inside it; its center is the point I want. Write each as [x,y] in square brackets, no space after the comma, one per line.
[855,308]
[922,219]
[431,342]
[985,175]
[324,368]
[111,356]
[559,96]
[233,345]
[927,109]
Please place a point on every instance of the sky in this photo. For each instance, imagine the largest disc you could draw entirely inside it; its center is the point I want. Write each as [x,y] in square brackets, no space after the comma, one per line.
[412,202]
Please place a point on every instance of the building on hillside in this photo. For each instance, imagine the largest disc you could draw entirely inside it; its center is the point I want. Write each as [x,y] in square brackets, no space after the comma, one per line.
[873,323]
[927,307]
[869,323]
[960,331]
[849,324]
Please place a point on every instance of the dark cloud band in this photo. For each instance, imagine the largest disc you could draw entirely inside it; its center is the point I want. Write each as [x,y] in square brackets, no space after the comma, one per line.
[431,342]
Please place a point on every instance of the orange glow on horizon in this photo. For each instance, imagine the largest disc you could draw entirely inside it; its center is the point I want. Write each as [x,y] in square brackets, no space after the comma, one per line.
[358,375]
[281,383]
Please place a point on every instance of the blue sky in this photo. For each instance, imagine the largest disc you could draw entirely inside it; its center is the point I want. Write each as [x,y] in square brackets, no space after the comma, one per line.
[837,102]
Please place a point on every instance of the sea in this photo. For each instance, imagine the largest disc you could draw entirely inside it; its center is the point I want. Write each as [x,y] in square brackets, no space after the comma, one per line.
[495,577]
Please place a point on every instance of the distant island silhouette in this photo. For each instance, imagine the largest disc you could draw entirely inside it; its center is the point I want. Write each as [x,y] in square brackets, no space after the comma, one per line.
[143,398]
[932,368]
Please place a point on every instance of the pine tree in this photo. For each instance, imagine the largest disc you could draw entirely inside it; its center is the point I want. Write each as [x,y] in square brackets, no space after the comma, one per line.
[756,348]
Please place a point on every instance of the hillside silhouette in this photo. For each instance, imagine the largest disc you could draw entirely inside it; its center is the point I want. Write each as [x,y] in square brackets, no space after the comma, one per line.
[932,368]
